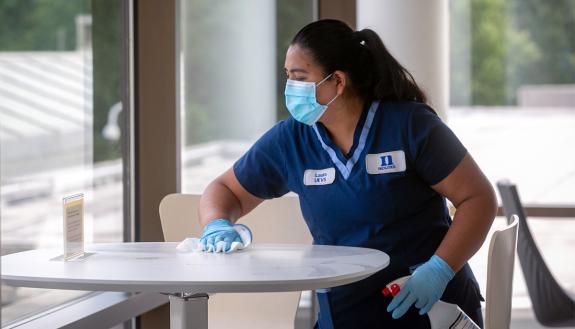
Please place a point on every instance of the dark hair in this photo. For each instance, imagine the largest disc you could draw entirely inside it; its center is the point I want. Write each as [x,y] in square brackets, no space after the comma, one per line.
[373,72]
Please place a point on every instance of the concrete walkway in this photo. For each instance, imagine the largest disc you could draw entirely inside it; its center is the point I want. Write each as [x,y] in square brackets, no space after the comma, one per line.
[534,148]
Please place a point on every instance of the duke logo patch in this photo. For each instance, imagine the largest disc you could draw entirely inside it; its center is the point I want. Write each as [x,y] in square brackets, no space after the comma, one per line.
[319,177]
[383,163]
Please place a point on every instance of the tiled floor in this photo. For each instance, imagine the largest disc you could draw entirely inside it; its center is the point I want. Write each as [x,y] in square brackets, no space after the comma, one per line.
[523,318]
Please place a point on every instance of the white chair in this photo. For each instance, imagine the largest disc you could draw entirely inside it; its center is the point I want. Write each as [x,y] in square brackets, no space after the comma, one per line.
[500,265]
[274,221]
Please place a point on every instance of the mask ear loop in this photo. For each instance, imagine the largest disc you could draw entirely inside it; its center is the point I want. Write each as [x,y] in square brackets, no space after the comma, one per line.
[326,105]
[333,99]
[336,96]
[322,81]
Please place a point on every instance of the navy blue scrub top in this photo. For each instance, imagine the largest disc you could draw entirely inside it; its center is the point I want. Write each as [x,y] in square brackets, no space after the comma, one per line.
[377,196]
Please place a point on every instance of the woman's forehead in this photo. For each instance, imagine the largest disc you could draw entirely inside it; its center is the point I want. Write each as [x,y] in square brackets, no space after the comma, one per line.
[298,58]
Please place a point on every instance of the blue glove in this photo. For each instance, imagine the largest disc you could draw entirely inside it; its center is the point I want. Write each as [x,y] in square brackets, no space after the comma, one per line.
[424,288]
[218,236]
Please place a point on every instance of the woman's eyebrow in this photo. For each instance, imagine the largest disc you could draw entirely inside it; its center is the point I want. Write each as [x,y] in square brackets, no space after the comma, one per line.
[296,70]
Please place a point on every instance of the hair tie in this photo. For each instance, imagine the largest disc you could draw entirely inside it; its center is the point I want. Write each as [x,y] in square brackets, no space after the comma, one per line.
[357,36]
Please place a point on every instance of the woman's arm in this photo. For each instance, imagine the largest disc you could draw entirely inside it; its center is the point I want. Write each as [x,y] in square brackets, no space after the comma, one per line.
[226,198]
[473,197]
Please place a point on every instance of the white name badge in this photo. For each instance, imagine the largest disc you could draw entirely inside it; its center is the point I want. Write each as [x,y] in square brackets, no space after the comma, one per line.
[73,226]
[383,163]
[319,177]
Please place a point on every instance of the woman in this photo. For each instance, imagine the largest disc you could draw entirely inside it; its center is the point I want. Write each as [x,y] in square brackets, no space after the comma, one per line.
[372,165]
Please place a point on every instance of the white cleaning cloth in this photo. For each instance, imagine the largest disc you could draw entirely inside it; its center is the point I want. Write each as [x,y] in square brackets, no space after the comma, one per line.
[194,244]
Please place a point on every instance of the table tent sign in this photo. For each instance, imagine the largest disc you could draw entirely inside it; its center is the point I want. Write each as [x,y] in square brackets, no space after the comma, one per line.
[73,213]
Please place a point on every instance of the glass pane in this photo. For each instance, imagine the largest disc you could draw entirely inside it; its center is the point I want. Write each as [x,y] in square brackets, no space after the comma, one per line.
[233,79]
[513,106]
[513,92]
[60,113]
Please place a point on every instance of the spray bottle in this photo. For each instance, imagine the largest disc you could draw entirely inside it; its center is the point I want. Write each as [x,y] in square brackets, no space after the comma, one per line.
[442,315]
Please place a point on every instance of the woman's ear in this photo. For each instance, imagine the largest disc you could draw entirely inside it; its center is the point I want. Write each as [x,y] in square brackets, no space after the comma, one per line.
[340,81]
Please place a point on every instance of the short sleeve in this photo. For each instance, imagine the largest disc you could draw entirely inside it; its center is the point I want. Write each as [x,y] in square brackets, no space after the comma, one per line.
[434,148]
[261,170]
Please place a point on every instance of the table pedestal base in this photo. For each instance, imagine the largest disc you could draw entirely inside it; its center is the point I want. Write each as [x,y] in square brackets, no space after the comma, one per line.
[189,311]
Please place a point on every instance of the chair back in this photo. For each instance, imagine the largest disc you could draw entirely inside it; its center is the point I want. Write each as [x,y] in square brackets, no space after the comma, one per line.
[552,306]
[510,201]
[500,264]
[179,216]
[274,221]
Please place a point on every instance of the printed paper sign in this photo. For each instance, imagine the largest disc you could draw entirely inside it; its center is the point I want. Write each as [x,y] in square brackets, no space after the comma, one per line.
[73,226]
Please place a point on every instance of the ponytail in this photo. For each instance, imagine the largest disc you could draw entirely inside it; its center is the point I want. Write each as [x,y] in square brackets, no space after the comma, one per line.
[373,72]
[391,80]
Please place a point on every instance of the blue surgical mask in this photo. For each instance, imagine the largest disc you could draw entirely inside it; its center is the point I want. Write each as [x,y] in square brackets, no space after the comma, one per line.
[301,101]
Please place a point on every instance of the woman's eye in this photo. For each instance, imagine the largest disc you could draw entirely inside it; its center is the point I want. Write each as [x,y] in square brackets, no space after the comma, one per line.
[296,77]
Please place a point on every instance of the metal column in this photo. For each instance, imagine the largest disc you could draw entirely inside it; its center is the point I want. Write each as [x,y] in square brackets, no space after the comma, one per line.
[189,311]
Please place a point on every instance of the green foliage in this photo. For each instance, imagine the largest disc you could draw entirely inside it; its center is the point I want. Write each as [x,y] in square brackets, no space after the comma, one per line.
[107,69]
[488,52]
[541,42]
[32,25]
[507,44]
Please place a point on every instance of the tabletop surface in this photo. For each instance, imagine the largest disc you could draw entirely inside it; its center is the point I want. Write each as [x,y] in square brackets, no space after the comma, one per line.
[158,267]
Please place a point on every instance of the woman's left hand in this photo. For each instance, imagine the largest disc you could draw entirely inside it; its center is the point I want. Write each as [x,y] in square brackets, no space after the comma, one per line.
[424,288]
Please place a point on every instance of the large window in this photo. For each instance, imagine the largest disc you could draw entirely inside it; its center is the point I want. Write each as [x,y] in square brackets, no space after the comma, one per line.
[232,82]
[513,92]
[60,130]
[513,106]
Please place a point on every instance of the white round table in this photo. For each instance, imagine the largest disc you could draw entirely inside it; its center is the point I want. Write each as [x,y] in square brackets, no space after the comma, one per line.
[189,277]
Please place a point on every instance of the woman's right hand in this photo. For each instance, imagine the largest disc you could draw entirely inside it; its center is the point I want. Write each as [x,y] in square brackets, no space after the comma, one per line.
[216,231]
